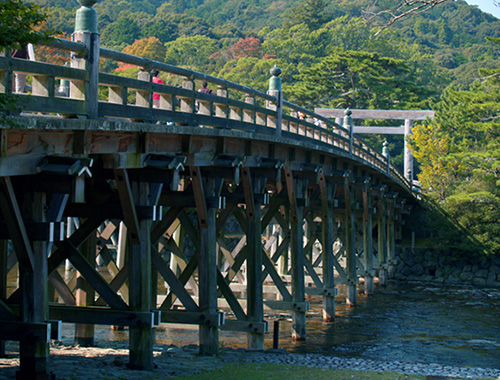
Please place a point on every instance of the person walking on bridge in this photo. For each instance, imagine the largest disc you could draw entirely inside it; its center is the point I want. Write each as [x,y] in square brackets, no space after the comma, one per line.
[204,88]
[20,78]
[156,96]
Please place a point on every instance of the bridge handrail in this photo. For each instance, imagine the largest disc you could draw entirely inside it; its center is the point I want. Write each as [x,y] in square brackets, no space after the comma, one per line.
[215,110]
[60,43]
[149,64]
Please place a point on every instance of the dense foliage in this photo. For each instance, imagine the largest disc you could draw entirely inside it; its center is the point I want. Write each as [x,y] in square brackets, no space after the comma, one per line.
[18,22]
[330,57]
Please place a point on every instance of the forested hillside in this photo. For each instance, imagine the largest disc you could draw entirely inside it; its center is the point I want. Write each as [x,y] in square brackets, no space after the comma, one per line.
[330,57]
[449,40]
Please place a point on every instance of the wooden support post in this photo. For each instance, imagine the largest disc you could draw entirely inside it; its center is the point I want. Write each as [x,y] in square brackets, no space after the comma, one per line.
[350,242]
[122,244]
[85,294]
[298,281]
[368,240]
[34,355]
[283,261]
[382,240]
[207,271]
[4,252]
[391,240]
[255,296]
[327,247]
[207,263]
[296,189]
[141,337]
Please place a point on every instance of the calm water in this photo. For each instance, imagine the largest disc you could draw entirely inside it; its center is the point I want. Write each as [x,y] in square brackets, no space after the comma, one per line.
[410,323]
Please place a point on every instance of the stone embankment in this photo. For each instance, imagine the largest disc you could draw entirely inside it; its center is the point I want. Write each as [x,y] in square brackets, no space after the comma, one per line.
[74,363]
[433,266]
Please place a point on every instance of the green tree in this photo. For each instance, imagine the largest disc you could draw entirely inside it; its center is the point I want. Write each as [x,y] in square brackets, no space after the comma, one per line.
[122,32]
[250,71]
[459,157]
[193,52]
[147,47]
[18,22]
[311,13]
[357,79]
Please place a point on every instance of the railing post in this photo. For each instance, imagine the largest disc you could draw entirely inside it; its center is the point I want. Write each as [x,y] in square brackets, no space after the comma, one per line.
[64,85]
[349,127]
[187,104]
[144,98]
[385,153]
[86,33]
[221,110]
[248,114]
[275,90]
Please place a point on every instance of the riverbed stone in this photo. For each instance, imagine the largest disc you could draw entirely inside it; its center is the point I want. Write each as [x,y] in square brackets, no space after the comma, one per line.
[418,270]
[482,273]
[479,281]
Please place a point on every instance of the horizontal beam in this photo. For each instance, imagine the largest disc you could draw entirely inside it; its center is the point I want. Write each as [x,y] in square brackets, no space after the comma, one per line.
[246,326]
[380,130]
[287,305]
[193,318]
[39,231]
[103,316]
[20,331]
[326,292]
[376,114]
[271,289]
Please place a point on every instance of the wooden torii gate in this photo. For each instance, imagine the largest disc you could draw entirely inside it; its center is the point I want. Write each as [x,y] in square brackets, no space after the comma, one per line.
[407,116]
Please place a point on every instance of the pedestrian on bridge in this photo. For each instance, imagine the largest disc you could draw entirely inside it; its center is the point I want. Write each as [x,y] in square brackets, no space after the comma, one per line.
[20,78]
[156,96]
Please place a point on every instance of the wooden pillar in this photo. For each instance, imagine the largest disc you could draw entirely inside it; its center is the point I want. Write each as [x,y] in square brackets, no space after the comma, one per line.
[207,272]
[283,261]
[297,190]
[207,262]
[4,252]
[327,250]
[382,240]
[85,294]
[298,282]
[391,240]
[255,295]
[255,292]
[350,249]
[34,355]
[141,337]
[122,244]
[368,240]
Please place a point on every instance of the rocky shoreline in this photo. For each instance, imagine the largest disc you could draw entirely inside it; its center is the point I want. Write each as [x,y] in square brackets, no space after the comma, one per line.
[99,363]
[434,266]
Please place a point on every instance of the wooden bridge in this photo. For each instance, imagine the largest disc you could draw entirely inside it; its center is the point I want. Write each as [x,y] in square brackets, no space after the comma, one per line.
[213,195]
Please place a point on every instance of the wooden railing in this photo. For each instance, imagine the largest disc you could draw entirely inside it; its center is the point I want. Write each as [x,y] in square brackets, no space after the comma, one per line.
[232,106]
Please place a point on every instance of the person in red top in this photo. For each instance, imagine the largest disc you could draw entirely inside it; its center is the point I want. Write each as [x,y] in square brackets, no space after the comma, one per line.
[156,96]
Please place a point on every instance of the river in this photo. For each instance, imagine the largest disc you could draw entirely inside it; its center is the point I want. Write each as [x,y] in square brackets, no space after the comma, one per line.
[413,323]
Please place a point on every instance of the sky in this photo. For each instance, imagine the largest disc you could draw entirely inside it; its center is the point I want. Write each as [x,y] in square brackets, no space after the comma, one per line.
[486,6]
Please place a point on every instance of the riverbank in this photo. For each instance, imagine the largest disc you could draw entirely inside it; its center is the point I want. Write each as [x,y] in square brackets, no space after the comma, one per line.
[172,362]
